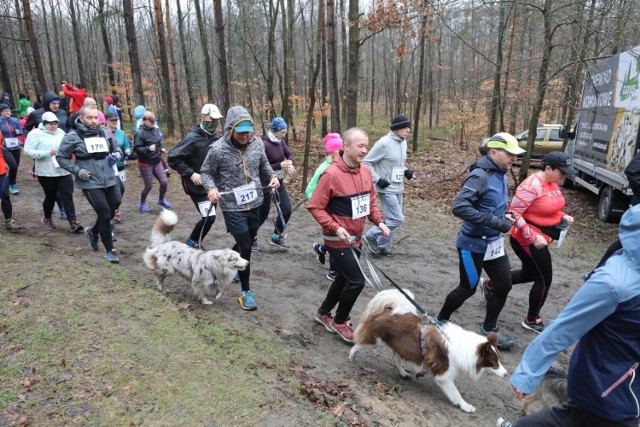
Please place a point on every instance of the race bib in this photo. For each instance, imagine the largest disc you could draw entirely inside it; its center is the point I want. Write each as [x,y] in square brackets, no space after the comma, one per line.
[359,206]
[55,162]
[397,174]
[11,143]
[96,145]
[115,170]
[122,175]
[245,194]
[495,249]
[206,209]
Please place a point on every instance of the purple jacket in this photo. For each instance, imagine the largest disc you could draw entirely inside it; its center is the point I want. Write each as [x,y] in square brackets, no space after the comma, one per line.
[276,153]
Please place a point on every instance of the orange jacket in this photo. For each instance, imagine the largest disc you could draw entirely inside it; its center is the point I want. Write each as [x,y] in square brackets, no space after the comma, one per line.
[77,97]
[3,165]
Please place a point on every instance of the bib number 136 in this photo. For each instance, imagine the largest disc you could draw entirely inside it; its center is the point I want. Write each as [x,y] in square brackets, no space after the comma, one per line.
[360,206]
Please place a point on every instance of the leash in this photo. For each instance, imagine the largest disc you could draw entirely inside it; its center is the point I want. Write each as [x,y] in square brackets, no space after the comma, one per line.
[275,198]
[375,282]
[211,206]
[372,267]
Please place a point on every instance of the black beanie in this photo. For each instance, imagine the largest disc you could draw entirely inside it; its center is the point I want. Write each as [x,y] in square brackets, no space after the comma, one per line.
[400,122]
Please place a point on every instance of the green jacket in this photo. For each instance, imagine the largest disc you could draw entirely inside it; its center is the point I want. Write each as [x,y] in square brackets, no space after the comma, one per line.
[316,176]
[23,104]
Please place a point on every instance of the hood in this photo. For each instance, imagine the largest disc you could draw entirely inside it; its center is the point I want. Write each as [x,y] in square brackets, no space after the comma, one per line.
[84,131]
[630,234]
[340,163]
[138,112]
[235,115]
[197,128]
[48,97]
[487,164]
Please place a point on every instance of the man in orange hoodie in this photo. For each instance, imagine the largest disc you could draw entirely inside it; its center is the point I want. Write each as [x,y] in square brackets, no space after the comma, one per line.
[5,200]
[76,94]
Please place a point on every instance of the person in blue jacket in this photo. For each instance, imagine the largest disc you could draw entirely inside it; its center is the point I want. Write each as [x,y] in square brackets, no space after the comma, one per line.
[604,317]
[482,205]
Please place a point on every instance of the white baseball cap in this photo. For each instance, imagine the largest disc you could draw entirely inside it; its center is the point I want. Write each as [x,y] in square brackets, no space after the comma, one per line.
[211,110]
[49,117]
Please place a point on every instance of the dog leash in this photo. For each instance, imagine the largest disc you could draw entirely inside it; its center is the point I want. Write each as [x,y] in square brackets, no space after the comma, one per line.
[204,223]
[372,267]
[375,279]
[275,198]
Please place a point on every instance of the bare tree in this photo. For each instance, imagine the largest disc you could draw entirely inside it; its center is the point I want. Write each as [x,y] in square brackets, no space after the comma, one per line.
[108,54]
[164,66]
[186,66]
[351,102]
[332,57]
[134,57]
[33,41]
[222,55]
[205,52]
[75,27]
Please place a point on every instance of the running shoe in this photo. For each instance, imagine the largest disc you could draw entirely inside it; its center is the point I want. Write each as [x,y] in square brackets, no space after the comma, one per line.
[93,240]
[536,326]
[503,423]
[345,330]
[372,245]
[13,189]
[143,208]
[278,241]
[387,252]
[117,216]
[10,224]
[485,287]
[48,224]
[75,227]
[317,248]
[63,214]
[164,203]
[112,257]
[325,320]
[331,275]
[247,302]
[504,341]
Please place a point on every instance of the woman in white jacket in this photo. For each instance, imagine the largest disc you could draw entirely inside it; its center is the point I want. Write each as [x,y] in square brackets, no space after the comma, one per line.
[42,145]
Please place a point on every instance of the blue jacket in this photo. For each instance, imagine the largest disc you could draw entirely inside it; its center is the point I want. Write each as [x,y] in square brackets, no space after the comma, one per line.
[605,316]
[481,204]
[10,128]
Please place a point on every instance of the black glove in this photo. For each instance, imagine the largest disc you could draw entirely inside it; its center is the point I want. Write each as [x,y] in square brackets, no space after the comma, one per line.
[501,224]
[383,183]
[409,174]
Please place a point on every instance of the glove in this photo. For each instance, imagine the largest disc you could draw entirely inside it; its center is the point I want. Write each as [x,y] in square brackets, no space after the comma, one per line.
[47,154]
[116,155]
[52,153]
[84,175]
[409,174]
[383,183]
[501,224]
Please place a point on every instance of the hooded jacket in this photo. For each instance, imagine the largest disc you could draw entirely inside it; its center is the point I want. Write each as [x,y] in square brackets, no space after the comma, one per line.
[227,167]
[10,128]
[331,203]
[143,139]
[76,95]
[187,157]
[98,164]
[35,118]
[604,315]
[481,204]
[23,104]
[39,144]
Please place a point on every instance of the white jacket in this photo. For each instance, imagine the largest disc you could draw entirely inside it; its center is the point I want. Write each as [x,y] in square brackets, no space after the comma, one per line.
[39,144]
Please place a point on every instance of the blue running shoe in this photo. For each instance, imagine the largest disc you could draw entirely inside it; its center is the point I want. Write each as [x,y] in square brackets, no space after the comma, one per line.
[93,240]
[112,257]
[164,203]
[143,208]
[247,302]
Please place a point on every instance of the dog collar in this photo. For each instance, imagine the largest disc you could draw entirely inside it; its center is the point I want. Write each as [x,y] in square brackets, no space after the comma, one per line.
[423,341]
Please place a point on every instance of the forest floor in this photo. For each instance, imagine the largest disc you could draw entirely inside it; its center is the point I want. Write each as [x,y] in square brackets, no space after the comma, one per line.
[80,340]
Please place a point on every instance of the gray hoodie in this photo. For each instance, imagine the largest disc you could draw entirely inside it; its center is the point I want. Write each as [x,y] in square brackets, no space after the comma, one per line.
[227,167]
[389,152]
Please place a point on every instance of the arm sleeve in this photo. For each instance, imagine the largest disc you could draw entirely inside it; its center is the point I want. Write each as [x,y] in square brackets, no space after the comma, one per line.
[314,180]
[373,157]
[31,147]
[593,302]
[177,156]
[288,154]
[464,205]
[209,167]
[522,199]
[63,156]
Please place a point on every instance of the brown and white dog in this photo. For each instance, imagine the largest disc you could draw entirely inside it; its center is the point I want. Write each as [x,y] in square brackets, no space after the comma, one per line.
[208,271]
[446,351]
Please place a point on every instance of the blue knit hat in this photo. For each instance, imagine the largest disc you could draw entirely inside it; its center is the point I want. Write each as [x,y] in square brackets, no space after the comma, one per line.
[138,112]
[278,124]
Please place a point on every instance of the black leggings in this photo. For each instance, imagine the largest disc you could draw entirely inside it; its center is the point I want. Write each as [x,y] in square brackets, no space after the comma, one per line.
[12,158]
[470,265]
[103,201]
[346,288]
[54,185]
[536,267]
[285,207]
[203,226]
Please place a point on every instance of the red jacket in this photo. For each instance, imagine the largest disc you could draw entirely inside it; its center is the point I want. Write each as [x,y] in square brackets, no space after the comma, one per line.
[336,194]
[77,97]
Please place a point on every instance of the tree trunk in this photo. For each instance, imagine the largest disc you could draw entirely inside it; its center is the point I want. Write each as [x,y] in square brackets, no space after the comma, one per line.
[60,42]
[287,47]
[271,55]
[187,68]
[50,45]
[164,67]
[351,103]
[507,71]
[75,28]
[108,55]
[6,80]
[174,70]
[134,57]
[222,55]
[332,54]
[324,105]
[495,98]
[33,42]
[541,88]
[311,94]
[205,50]
[418,109]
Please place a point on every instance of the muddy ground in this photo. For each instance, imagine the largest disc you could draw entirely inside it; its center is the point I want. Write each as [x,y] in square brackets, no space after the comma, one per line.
[290,285]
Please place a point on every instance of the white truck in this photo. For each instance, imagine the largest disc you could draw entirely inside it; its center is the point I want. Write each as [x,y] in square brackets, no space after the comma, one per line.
[606,134]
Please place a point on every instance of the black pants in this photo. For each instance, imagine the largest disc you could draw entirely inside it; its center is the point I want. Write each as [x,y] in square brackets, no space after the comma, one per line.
[470,265]
[54,185]
[243,226]
[346,288]
[103,201]
[536,267]
[12,158]
[570,415]
[203,226]
[285,207]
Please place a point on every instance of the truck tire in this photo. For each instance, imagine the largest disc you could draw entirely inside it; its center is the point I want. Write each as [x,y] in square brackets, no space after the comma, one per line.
[612,204]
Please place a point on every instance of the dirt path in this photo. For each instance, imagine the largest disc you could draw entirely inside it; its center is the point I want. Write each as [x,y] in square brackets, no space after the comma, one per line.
[290,285]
